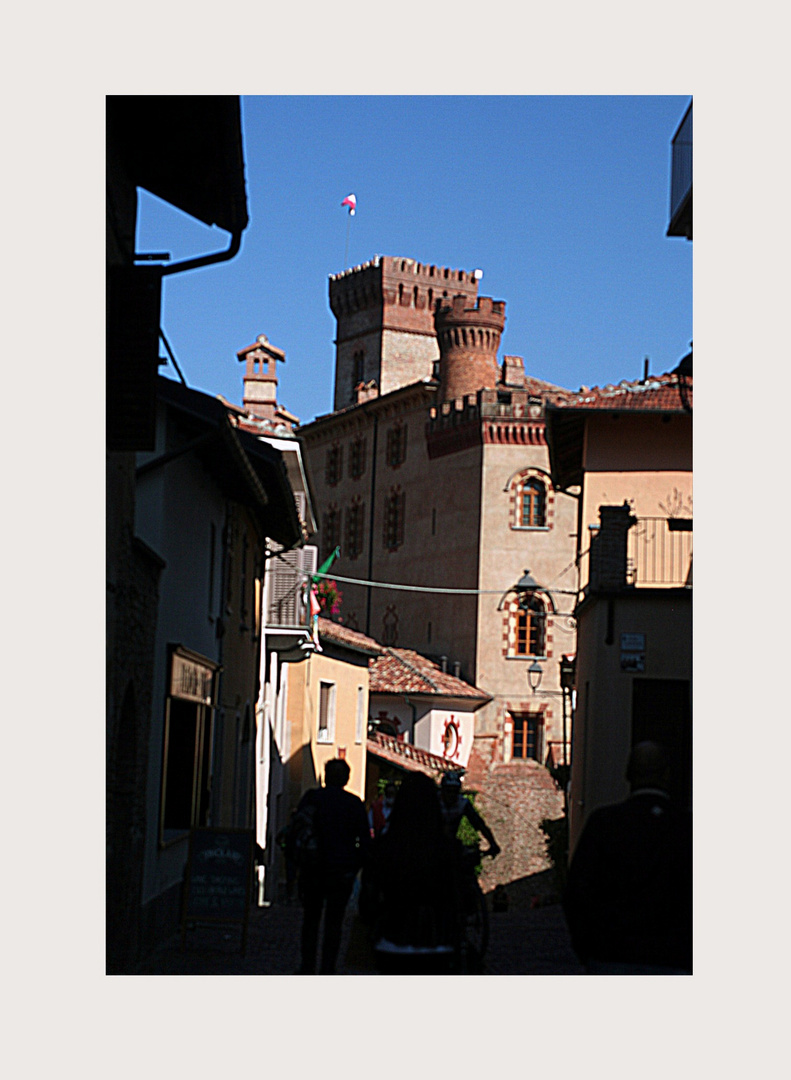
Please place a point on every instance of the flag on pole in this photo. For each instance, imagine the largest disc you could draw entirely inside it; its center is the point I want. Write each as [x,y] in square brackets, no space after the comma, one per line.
[327,563]
[351,202]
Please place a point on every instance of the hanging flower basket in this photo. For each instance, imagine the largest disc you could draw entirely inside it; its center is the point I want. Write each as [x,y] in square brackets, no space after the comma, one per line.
[330,597]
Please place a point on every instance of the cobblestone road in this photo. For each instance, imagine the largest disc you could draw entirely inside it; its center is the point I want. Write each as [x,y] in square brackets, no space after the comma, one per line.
[523,941]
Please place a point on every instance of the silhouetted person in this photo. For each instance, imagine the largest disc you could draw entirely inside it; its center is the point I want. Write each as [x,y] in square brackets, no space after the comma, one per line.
[454,806]
[628,900]
[411,886]
[343,838]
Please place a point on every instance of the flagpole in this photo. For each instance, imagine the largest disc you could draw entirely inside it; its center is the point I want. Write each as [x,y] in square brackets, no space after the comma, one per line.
[351,202]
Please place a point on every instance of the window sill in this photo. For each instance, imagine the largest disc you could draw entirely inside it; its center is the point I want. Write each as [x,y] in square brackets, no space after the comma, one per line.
[531,528]
[527,656]
[324,739]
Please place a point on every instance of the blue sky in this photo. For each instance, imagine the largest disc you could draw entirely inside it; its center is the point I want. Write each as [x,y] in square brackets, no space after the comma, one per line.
[561,201]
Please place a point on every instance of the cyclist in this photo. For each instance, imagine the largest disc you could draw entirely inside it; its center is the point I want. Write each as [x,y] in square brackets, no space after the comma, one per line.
[456,806]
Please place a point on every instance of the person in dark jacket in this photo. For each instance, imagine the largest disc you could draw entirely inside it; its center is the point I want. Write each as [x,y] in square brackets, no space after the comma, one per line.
[342,841]
[411,886]
[628,899]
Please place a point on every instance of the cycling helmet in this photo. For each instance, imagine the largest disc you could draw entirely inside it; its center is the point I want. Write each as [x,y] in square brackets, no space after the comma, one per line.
[451,780]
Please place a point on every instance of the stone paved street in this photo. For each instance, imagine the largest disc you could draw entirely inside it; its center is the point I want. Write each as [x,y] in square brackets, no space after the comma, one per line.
[523,941]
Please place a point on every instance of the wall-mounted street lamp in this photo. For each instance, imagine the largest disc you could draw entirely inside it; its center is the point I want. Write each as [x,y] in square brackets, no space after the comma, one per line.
[524,589]
[534,675]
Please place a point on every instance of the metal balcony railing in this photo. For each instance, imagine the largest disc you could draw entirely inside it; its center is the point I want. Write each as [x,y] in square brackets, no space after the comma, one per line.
[659,553]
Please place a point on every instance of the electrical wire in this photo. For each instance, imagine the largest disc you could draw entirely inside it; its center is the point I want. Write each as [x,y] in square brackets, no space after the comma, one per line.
[407,588]
[424,588]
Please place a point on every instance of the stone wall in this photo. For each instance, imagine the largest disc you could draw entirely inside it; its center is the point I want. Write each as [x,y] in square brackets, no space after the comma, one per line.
[514,799]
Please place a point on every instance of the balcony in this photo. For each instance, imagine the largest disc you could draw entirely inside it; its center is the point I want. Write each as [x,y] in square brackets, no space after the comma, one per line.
[627,552]
[681,180]
[287,618]
[659,553]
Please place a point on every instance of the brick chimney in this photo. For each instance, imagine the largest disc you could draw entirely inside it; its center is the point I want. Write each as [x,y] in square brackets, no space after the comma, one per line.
[468,337]
[260,378]
[608,549]
[513,371]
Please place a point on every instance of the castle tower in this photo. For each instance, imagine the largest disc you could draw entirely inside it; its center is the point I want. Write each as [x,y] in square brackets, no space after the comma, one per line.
[385,322]
[260,378]
[469,337]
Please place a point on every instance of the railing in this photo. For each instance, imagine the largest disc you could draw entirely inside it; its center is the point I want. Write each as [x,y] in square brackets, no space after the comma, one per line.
[396,749]
[659,553]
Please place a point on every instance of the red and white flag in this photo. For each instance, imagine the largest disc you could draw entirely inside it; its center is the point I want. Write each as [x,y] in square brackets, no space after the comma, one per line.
[351,202]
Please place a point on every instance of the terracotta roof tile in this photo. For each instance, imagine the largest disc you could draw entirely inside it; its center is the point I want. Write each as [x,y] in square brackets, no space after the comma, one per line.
[403,671]
[343,635]
[659,392]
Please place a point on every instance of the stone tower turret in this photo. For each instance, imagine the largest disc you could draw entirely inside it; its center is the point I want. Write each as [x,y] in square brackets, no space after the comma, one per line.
[385,322]
[260,378]
[468,337]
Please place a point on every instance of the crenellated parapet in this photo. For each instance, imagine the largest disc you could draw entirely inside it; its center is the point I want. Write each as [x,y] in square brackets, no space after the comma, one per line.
[405,285]
[469,337]
[478,327]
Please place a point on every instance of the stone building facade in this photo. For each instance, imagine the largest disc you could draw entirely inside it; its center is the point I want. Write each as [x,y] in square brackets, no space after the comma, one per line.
[436,478]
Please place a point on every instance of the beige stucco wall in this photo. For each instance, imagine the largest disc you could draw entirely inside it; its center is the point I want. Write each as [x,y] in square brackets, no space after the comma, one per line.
[506,553]
[603,717]
[309,756]
[646,460]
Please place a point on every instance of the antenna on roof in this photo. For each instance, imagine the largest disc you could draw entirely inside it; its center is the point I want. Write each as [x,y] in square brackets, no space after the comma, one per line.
[645,369]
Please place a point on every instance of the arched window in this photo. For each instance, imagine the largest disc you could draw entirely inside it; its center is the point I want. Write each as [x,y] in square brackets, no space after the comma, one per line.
[532,504]
[531,628]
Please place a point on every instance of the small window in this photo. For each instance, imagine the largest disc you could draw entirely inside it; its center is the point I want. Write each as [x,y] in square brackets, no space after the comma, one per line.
[326,732]
[532,504]
[395,511]
[357,458]
[353,540]
[527,736]
[330,531]
[396,445]
[334,465]
[359,730]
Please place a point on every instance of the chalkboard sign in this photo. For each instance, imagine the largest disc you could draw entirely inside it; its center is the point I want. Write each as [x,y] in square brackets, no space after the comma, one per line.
[218,885]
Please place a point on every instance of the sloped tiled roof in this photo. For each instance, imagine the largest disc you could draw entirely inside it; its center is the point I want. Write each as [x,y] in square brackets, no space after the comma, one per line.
[399,671]
[541,388]
[403,671]
[343,635]
[566,419]
[658,392]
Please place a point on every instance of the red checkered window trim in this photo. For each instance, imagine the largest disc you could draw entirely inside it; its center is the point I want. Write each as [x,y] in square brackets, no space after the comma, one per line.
[531,500]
